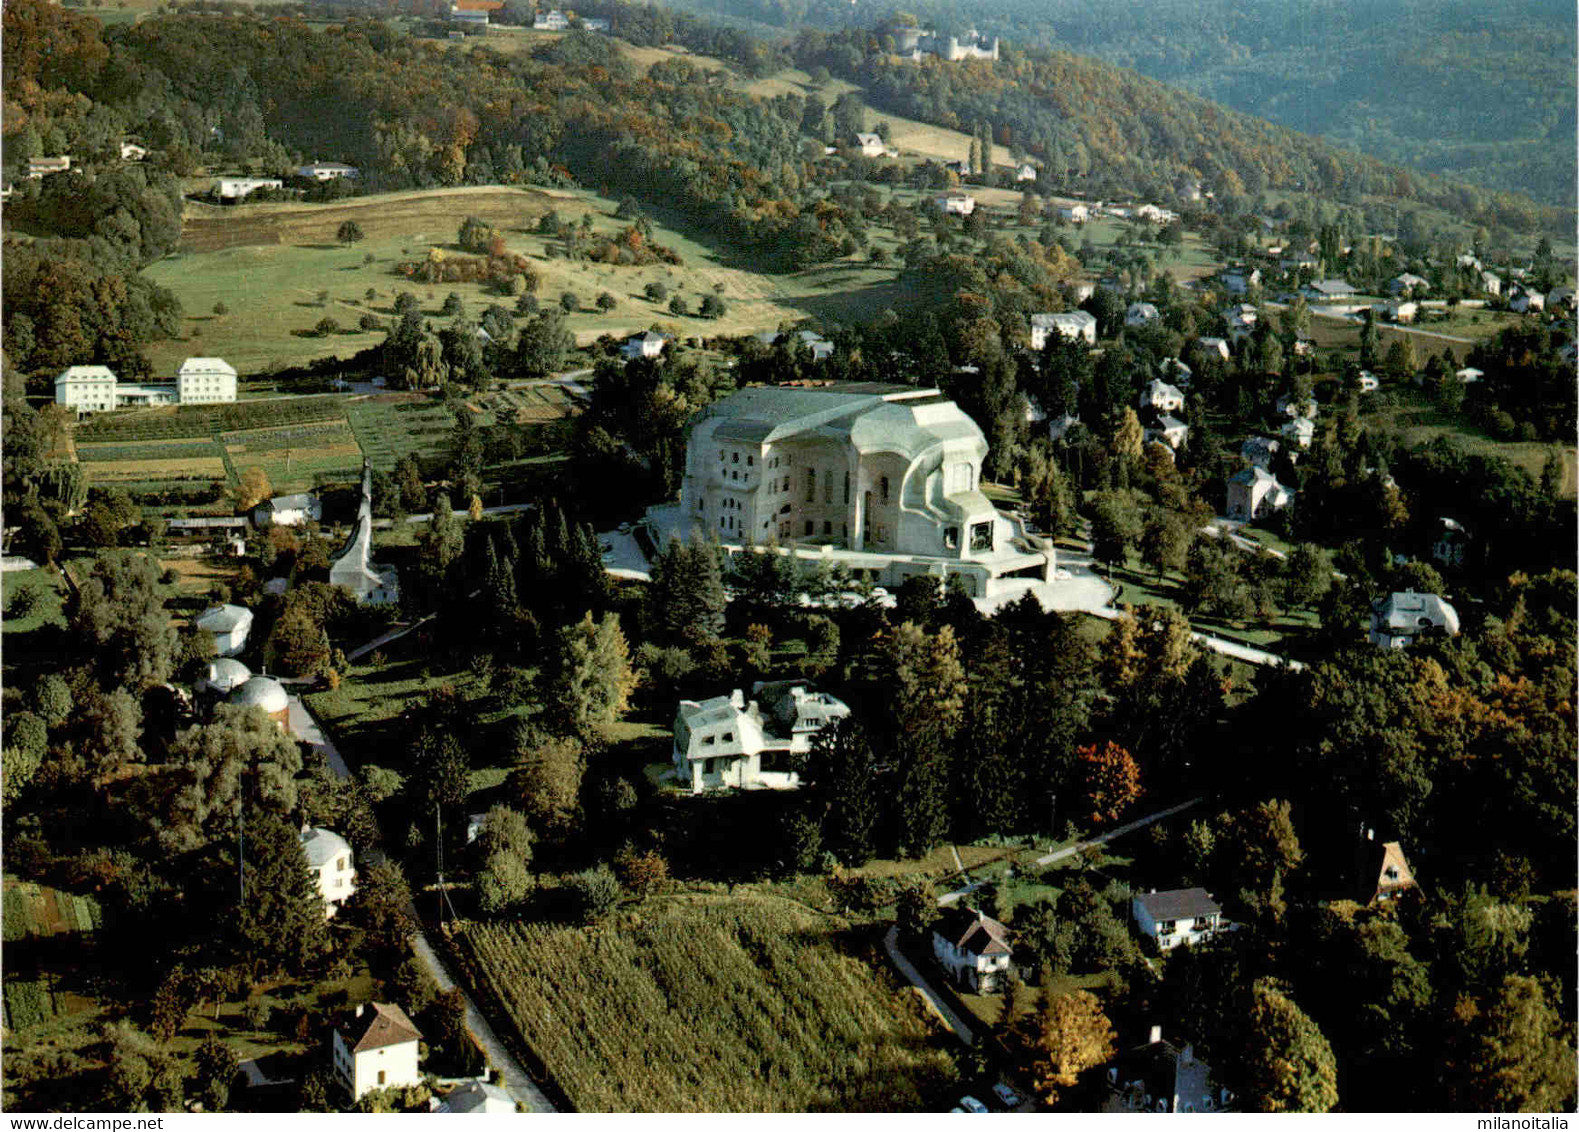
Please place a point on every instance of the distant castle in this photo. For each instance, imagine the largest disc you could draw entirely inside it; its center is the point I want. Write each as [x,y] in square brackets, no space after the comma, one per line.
[913,43]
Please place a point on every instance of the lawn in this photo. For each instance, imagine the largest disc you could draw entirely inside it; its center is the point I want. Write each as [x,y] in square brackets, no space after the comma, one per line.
[48,612]
[742,1003]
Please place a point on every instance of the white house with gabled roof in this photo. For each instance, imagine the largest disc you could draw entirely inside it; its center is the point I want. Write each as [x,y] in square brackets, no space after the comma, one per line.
[332,864]
[1163,397]
[86,389]
[228,625]
[1177,916]
[376,1047]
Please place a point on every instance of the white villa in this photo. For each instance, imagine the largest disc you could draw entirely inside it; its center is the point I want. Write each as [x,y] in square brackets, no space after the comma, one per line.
[229,626]
[884,479]
[333,867]
[376,1049]
[354,568]
[974,949]
[335,170]
[1397,619]
[1077,325]
[1299,432]
[728,741]
[1075,214]
[87,389]
[1180,915]
[205,381]
[1170,431]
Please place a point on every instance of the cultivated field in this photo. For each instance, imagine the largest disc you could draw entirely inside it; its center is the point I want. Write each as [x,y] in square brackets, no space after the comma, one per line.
[747,1003]
[390,425]
[297,457]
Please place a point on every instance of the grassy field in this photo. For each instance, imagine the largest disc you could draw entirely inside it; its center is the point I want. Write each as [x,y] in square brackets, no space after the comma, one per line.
[745,1003]
[1417,420]
[278,271]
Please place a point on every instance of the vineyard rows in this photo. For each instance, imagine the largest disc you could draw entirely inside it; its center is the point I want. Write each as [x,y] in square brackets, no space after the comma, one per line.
[177,450]
[205,420]
[729,1008]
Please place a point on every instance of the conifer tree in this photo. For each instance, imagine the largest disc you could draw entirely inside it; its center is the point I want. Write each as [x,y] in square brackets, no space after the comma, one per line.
[595,678]
[280,919]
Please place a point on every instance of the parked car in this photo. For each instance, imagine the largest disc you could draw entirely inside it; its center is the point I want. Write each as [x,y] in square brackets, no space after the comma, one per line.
[971,1104]
[1008,1096]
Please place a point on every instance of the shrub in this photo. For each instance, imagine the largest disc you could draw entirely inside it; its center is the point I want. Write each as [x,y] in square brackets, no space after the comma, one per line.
[593,893]
[657,292]
[326,327]
[569,302]
[677,306]
[607,302]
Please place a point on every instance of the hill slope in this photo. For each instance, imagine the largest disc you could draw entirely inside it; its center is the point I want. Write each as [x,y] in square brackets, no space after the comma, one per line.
[1479,90]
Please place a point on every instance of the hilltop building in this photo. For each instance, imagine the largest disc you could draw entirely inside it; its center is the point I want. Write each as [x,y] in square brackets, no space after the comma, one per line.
[915,43]
[883,479]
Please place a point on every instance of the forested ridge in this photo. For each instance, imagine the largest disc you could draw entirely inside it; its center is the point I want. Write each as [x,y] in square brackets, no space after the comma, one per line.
[1482,91]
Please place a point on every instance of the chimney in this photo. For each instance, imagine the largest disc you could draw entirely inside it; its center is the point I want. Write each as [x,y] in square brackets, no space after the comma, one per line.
[737,699]
[1156,1035]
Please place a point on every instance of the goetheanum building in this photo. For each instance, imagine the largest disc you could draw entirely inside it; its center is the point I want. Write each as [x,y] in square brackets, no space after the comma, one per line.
[883,479]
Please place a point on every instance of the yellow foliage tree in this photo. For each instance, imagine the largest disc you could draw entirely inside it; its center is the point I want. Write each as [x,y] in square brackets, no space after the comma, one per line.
[253,488]
[1071,1035]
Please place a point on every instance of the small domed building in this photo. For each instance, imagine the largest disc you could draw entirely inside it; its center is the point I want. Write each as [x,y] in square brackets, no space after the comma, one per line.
[267,693]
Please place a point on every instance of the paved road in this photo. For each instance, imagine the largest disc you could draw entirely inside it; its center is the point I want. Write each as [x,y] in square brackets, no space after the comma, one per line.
[917,980]
[1104,838]
[516,1080]
[1245,653]
[520,1086]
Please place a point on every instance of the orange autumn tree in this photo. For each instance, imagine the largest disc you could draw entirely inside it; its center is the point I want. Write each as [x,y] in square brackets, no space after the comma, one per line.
[1112,781]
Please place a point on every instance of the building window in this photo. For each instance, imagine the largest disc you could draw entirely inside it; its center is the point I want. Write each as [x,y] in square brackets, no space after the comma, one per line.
[827,527]
[846,489]
[720,453]
[381,1076]
[981,536]
[734,458]
[882,486]
[811,485]
[951,538]
[728,737]
[748,460]
[340,865]
[808,528]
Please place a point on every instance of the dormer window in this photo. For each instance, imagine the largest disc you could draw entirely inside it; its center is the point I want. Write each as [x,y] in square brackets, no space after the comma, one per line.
[729,736]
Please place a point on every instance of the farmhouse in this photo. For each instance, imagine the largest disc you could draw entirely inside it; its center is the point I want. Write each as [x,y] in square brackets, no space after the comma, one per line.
[288,510]
[1140,314]
[648,345]
[333,866]
[1170,431]
[1329,290]
[553,20]
[1240,281]
[883,479]
[1524,301]
[474,1097]
[1074,325]
[353,569]
[821,349]
[131,151]
[239,188]
[1255,492]
[1026,172]
[870,145]
[1180,915]
[334,170]
[376,1048]
[40,167]
[957,204]
[1408,284]
[974,949]
[1218,346]
[1160,1077]
[1398,618]
[728,741]
[228,625]
[1258,451]
[1075,214]
[1299,432]
[1490,283]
